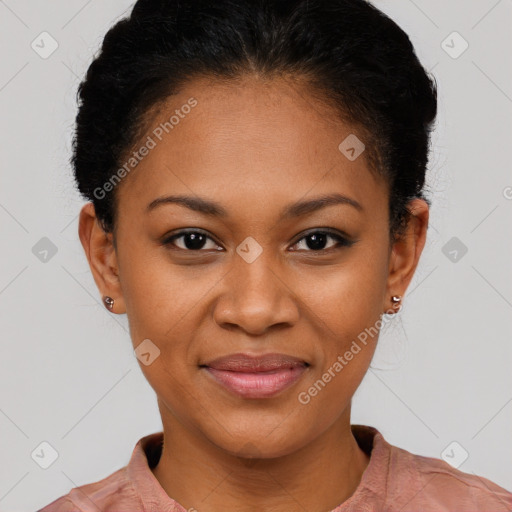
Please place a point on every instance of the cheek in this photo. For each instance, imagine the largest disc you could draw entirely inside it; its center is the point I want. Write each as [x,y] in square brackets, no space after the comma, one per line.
[346,315]
[157,296]
[347,299]
[166,306]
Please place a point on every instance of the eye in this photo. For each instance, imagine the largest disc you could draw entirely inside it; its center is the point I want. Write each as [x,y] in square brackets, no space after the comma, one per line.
[196,240]
[316,241]
[192,240]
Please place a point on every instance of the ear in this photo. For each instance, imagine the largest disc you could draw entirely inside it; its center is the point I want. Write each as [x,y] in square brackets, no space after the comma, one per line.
[101,254]
[406,251]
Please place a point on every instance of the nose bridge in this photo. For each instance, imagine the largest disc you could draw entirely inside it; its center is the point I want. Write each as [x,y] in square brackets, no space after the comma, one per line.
[258,298]
[255,274]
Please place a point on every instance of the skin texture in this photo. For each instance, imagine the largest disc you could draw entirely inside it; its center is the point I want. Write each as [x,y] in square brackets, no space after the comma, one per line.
[254,147]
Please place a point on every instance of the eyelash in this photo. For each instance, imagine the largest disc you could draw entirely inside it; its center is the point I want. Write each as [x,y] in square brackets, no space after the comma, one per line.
[342,241]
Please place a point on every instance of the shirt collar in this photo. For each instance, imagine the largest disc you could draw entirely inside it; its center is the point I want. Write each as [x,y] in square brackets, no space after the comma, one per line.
[372,487]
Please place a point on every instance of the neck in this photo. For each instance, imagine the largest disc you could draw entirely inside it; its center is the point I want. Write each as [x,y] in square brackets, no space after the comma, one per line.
[320,476]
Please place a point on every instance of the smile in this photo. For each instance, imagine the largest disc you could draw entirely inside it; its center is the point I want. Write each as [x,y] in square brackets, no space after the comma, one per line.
[256,377]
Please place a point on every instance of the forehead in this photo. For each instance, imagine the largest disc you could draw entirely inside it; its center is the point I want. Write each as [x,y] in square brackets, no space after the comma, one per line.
[267,141]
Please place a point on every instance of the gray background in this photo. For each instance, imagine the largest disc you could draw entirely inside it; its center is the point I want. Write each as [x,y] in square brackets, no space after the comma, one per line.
[68,375]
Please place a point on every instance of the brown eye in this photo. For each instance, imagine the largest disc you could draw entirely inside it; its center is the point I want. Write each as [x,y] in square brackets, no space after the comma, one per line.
[192,241]
[316,241]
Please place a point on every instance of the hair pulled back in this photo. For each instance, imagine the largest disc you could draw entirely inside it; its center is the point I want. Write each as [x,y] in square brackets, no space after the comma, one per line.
[349,52]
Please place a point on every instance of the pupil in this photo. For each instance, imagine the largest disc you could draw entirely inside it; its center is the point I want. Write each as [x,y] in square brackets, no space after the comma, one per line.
[318,241]
[194,241]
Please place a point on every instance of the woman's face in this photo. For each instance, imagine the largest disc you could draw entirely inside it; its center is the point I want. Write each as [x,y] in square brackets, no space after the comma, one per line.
[255,280]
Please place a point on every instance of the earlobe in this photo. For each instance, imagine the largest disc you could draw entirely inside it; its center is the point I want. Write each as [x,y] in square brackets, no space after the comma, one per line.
[101,255]
[407,250]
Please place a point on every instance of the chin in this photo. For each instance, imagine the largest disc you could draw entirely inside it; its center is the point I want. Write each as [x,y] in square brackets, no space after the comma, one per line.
[253,442]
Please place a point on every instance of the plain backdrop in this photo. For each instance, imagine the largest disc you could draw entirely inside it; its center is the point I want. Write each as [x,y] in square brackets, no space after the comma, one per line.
[68,374]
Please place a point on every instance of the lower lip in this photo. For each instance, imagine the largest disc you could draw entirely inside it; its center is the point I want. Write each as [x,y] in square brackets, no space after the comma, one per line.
[257,385]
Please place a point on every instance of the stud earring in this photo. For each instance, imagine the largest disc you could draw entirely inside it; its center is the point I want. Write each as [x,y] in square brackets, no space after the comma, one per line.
[395,299]
[109,302]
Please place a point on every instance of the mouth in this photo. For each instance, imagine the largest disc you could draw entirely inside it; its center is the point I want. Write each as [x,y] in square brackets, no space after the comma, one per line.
[256,376]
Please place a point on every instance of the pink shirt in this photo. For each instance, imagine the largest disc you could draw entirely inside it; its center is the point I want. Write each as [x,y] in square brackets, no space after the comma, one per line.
[394,480]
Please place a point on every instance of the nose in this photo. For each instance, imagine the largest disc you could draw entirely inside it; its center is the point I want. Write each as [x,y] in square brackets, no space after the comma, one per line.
[256,297]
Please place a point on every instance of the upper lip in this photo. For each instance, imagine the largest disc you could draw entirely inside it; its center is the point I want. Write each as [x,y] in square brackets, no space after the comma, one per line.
[249,363]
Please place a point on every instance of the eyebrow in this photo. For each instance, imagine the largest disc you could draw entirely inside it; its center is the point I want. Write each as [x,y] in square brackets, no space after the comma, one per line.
[213,209]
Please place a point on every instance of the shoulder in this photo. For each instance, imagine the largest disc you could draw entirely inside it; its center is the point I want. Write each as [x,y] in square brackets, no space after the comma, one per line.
[125,489]
[114,489]
[433,484]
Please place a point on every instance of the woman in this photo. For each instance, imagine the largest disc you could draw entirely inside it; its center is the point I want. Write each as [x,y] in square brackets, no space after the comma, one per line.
[255,175]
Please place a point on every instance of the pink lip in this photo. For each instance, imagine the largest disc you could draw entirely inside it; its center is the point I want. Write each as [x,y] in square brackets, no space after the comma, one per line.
[256,376]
